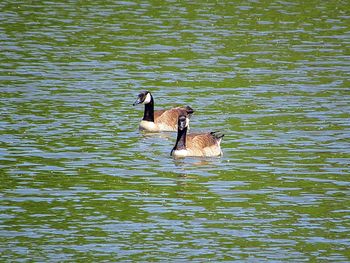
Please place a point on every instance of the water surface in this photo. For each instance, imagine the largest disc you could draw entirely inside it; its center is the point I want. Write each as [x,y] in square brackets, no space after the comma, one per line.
[80,182]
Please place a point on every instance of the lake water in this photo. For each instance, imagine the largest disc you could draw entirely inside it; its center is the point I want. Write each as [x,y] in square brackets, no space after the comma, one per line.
[80,182]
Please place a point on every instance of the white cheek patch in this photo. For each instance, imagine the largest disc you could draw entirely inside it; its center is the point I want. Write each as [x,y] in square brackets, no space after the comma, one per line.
[147,99]
[187,121]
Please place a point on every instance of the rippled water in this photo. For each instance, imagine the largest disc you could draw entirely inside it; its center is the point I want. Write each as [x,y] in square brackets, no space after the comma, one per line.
[80,182]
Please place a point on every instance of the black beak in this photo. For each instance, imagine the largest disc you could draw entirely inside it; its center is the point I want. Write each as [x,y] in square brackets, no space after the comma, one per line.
[138,101]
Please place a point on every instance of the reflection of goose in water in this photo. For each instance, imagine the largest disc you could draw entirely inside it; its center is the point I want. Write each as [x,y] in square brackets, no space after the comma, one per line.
[195,162]
[151,135]
[160,120]
[195,144]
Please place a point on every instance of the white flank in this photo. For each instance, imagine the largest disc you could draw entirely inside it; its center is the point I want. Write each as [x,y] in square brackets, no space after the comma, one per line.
[180,153]
[148,126]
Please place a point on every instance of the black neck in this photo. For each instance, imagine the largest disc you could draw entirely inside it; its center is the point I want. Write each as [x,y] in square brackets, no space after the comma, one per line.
[148,114]
[181,139]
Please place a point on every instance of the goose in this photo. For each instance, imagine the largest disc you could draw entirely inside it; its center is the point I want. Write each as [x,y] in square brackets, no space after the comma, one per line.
[195,144]
[160,120]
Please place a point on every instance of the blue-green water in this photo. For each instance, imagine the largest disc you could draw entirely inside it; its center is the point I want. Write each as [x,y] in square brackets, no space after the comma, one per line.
[79,182]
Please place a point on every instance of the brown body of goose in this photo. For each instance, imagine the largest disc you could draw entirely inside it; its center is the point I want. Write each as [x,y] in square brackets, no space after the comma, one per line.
[195,144]
[160,120]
